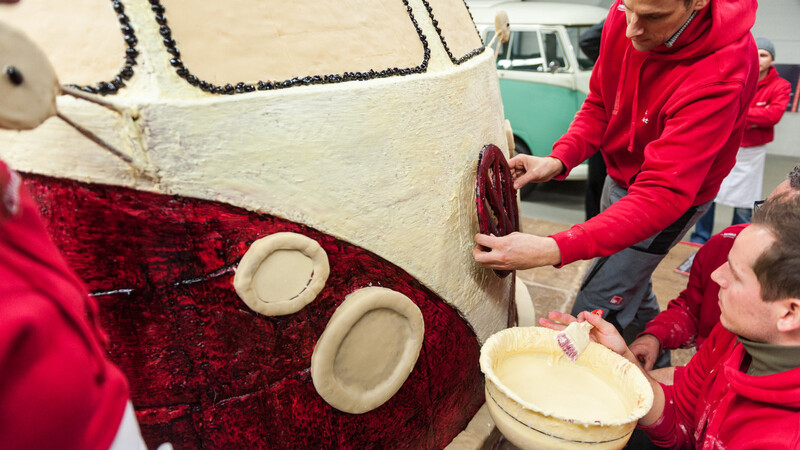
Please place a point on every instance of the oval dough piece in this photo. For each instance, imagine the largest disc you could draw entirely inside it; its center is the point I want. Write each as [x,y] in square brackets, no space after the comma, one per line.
[25,105]
[281,273]
[368,349]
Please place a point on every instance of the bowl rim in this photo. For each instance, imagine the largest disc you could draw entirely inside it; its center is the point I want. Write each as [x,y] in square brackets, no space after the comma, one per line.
[643,404]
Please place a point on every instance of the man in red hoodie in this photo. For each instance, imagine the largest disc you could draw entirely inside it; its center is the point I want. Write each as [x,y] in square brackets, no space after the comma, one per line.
[58,390]
[742,388]
[667,108]
[691,316]
[742,186]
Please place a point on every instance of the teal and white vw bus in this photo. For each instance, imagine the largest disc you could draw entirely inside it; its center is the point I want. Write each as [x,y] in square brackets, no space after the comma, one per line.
[544,75]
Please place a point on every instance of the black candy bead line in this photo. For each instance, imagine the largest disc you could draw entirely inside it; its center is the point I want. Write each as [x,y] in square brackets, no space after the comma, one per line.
[242,87]
[435,23]
[126,72]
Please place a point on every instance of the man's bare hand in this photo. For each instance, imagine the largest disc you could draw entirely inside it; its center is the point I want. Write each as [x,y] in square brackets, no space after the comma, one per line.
[646,349]
[533,169]
[516,251]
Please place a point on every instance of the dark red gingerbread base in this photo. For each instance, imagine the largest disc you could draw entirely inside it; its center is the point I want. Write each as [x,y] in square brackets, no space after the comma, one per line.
[207,372]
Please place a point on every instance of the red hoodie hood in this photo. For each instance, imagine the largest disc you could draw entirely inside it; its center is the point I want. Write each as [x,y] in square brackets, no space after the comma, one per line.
[771,75]
[779,389]
[717,25]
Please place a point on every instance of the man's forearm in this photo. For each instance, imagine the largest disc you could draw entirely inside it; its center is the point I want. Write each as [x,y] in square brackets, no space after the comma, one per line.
[658,393]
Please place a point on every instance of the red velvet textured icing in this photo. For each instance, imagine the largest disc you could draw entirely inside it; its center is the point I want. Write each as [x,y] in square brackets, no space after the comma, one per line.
[206,371]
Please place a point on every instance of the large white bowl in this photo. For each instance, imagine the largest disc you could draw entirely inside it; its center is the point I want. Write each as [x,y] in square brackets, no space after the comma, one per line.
[531,426]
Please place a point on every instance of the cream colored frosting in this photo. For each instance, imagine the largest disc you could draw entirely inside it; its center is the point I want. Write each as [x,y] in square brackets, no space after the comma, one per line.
[457,27]
[555,384]
[281,273]
[296,38]
[82,38]
[367,350]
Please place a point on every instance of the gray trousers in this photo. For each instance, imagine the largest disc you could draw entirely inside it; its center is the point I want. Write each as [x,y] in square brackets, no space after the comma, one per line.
[620,284]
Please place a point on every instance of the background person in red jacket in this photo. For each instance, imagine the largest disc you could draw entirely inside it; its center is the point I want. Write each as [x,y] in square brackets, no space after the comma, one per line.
[667,107]
[742,388]
[691,316]
[742,186]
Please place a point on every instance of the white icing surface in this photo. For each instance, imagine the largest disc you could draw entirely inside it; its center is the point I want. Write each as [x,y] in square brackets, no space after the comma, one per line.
[387,164]
[306,37]
[555,384]
[457,27]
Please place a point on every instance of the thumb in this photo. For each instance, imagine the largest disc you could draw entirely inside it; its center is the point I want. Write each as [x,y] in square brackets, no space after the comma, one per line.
[598,322]
[485,240]
[523,179]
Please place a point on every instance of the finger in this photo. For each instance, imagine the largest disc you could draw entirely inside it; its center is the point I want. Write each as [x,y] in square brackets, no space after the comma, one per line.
[547,323]
[648,360]
[485,240]
[560,317]
[523,179]
[483,256]
[517,161]
[599,323]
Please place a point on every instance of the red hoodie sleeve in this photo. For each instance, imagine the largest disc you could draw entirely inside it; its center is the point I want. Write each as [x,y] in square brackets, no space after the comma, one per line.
[677,326]
[697,127]
[689,319]
[770,114]
[585,133]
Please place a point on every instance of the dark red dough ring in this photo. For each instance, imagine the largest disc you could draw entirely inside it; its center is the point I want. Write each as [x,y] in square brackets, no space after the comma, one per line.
[495,196]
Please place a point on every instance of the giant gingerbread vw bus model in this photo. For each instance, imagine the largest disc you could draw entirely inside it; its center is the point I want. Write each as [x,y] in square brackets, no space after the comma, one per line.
[281,244]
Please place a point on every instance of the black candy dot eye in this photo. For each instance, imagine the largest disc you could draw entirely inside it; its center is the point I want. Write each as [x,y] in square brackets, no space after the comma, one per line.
[14,75]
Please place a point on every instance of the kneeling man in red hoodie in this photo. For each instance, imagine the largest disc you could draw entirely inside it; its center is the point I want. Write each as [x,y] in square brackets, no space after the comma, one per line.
[742,388]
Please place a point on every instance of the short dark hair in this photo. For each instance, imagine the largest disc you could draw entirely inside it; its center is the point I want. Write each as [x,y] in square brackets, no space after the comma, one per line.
[778,267]
[794,177]
[687,3]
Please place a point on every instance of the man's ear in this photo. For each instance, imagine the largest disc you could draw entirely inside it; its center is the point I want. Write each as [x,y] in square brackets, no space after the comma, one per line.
[700,4]
[790,315]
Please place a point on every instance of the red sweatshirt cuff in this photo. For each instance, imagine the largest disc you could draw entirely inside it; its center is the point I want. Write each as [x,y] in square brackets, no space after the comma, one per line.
[573,245]
[662,432]
[559,154]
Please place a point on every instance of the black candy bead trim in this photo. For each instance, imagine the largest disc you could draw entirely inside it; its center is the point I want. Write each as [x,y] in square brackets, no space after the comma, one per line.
[126,72]
[455,60]
[242,87]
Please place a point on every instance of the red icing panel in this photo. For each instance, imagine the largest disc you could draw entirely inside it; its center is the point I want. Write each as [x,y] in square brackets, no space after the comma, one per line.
[206,371]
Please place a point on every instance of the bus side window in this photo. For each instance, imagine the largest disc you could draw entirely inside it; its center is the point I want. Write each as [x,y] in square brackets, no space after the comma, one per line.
[502,51]
[525,51]
[554,52]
